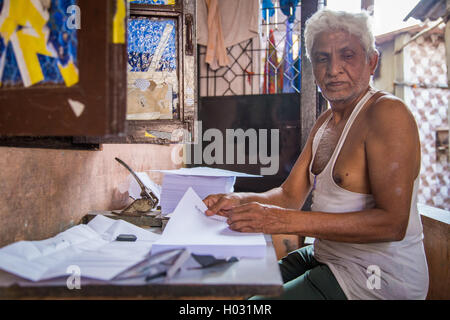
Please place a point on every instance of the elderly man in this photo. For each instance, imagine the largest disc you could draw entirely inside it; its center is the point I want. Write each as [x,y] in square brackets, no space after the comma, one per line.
[361,162]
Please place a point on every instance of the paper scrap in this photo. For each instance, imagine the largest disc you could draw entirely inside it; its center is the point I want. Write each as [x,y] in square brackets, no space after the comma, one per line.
[77,107]
[90,247]
[205,236]
[142,84]
[189,102]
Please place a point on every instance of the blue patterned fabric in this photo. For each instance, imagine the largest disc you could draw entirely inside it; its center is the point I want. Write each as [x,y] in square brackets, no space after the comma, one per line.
[144,36]
[288,63]
[62,40]
[11,72]
[165,2]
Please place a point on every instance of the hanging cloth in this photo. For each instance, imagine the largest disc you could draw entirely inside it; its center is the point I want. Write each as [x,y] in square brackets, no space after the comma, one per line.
[288,61]
[216,48]
[298,68]
[291,69]
[229,22]
[288,8]
[267,8]
[273,74]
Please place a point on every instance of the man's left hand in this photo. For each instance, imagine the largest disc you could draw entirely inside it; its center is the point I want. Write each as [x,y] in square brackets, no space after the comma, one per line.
[255,217]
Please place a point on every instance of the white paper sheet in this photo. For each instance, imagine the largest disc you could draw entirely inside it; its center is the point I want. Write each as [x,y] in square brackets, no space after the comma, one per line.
[91,247]
[208,172]
[175,186]
[189,228]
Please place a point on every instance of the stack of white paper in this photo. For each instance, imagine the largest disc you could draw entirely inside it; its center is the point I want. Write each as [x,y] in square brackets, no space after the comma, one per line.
[89,247]
[203,180]
[190,228]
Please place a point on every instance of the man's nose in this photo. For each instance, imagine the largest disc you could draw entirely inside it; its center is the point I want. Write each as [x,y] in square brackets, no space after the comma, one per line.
[334,67]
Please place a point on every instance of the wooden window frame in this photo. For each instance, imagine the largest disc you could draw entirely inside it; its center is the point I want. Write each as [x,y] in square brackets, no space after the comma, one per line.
[32,117]
[139,131]
[44,110]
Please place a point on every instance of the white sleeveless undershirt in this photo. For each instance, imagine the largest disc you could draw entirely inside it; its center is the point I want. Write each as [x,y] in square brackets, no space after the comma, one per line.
[384,270]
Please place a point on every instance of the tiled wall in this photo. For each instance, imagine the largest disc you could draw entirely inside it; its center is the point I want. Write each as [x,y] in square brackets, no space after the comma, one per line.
[43,191]
[425,64]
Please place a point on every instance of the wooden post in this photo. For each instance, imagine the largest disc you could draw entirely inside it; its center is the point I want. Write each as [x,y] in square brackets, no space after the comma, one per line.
[368,5]
[447,54]
[399,65]
[308,93]
[447,42]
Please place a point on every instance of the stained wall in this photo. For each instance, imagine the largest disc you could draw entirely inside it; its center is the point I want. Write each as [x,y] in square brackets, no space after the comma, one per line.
[44,191]
[418,75]
[428,101]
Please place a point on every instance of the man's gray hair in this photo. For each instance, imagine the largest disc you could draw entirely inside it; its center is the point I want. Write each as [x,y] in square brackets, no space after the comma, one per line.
[357,24]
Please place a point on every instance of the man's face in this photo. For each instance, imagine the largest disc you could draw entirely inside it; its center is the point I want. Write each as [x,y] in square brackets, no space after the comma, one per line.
[340,66]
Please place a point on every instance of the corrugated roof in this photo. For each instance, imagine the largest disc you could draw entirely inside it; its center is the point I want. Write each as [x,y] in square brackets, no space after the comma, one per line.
[428,9]
[381,38]
[385,37]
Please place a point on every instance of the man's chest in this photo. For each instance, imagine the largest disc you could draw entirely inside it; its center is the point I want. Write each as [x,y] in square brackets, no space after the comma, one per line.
[349,165]
[325,149]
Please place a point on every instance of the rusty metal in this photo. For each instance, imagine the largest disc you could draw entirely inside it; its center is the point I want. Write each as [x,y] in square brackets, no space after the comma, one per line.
[141,206]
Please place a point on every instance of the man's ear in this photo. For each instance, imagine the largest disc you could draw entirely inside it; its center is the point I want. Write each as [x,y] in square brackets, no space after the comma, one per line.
[373,62]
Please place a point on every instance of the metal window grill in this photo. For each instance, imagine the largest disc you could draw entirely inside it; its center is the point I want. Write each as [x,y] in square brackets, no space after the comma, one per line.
[266,64]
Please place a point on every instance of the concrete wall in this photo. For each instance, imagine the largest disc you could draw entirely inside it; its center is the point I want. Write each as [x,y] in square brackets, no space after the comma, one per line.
[44,192]
[425,65]
[421,67]
[386,67]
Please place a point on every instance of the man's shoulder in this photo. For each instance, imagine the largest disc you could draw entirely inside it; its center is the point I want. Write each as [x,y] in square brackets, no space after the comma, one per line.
[387,116]
[386,100]
[388,107]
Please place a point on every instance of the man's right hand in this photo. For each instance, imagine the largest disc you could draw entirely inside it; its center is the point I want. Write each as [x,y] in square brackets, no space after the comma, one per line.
[220,203]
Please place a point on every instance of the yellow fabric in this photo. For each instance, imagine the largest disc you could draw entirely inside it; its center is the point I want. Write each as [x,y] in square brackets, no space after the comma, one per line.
[30,40]
[69,73]
[119,22]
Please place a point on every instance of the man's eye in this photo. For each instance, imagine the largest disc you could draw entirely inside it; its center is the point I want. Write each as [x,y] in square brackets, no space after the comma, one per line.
[321,59]
[348,56]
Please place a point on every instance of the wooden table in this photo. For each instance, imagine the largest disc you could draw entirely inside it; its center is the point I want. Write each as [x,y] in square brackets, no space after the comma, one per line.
[238,280]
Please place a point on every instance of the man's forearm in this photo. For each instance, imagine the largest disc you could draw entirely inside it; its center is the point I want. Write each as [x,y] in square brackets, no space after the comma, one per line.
[276,196]
[374,225]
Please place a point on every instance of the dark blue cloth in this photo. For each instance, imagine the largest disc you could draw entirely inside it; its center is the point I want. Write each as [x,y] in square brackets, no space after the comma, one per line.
[286,5]
[267,4]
